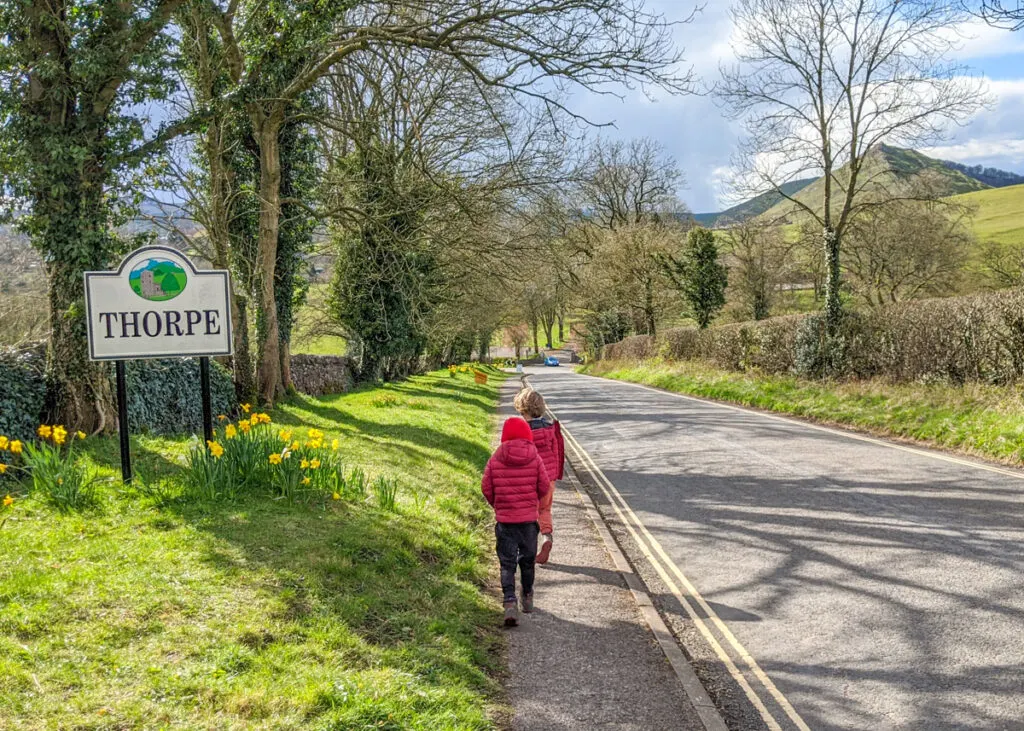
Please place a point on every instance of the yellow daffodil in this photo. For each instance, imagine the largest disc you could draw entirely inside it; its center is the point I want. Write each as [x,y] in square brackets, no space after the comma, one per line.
[275,458]
[305,480]
[314,443]
[8,501]
[215,449]
[315,434]
[254,419]
[285,435]
[15,447]
[304,464]
[60,435]
[244,427]
[245,408]
[44,431]
[294,446]
[230,432]
[264,418]
[80,435]
[315,464]
[3,443]
[336,496]
[334,444]
[222,417]
[3,468]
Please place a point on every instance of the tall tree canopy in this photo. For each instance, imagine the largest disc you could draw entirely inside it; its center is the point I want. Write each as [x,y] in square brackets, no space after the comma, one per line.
[74,75]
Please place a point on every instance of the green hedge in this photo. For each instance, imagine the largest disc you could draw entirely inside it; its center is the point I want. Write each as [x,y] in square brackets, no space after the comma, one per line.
[22,393]
[957,339]
[164,396]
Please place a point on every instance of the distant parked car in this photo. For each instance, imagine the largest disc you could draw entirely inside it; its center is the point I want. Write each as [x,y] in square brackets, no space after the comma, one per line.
[551,361]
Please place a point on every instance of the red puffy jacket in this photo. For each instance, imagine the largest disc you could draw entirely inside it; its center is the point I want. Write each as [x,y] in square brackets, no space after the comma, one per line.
[548,439]
[514,482]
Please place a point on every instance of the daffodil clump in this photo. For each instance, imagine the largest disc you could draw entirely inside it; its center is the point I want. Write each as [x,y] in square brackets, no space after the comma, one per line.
[253,455]
[232,462]
[49,466]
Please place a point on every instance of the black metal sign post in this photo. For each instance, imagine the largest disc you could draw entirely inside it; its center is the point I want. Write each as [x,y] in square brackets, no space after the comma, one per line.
[122,423]
[204,382]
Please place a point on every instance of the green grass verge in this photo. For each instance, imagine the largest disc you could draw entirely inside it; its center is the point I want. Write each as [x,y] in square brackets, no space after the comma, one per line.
[154,612]
[980,420]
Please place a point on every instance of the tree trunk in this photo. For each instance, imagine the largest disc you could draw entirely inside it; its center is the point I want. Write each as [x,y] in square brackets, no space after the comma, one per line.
[82,397]
[549,326]
[269,378]
[241,362]
[649,322]
[561,326]
[536,342]
[833,303]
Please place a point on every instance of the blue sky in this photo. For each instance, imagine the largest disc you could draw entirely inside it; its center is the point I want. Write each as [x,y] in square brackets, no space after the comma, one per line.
[693,130]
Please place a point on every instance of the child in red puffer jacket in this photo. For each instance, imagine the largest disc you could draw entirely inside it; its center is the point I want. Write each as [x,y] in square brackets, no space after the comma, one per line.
[514,483]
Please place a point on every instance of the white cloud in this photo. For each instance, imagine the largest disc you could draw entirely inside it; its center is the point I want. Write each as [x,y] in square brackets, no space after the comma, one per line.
[975,150]
[981,40]
[694,131]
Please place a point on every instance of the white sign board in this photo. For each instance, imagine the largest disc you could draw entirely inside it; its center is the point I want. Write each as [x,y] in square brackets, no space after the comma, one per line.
[157,305]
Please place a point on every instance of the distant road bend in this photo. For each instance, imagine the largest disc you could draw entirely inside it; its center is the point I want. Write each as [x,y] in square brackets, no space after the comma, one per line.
[832,581]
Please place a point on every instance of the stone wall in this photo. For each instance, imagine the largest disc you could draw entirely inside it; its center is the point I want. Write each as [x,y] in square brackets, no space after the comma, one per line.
[318,375]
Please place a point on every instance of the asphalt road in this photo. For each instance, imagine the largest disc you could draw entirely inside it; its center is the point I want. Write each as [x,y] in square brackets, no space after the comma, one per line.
[871,586]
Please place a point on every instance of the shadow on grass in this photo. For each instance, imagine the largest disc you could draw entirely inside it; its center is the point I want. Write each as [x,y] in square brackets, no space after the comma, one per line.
[396,592]
[404,588]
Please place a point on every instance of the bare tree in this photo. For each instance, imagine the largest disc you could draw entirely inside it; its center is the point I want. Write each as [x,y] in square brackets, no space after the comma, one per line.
[530,48]
[626,274]
[760,257]
[820,83]
[1008,15]
[907,249]
[627,183]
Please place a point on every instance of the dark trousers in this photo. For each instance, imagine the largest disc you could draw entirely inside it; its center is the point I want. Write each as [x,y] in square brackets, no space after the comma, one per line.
[516,544]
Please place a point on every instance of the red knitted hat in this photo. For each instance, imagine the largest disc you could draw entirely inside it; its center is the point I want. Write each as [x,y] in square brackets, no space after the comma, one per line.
[516,428]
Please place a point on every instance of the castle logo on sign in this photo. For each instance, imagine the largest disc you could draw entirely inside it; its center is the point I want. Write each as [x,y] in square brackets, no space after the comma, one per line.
[157,305]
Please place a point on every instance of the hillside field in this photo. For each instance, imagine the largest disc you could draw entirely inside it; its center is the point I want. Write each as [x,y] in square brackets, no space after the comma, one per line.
[1000,214]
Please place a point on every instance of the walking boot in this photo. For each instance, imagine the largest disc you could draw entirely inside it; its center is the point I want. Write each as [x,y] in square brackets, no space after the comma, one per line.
[528,602]
[511,613]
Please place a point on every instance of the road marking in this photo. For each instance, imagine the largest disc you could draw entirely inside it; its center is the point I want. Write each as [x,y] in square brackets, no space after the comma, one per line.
[734,671]
[707,712]
[818,427]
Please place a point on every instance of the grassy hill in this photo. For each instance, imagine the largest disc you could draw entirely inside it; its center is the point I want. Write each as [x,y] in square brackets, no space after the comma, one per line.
[1000,214]
[751,208]
[888,168]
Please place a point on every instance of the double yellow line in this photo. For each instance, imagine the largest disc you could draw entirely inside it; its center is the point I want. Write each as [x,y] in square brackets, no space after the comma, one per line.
[687,594]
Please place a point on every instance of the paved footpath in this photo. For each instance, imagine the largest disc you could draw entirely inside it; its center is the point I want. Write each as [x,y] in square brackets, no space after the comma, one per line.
[585,658]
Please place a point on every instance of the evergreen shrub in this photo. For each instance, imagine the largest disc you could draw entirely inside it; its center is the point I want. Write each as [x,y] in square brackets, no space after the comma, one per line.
[22,393]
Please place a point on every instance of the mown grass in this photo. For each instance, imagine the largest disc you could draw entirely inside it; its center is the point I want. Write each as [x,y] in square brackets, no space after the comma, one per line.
[152,611]
[976,419]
